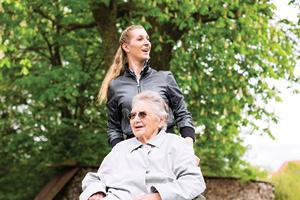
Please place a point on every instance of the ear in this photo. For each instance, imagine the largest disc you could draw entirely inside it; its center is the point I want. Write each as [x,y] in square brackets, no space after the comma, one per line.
[125,47]
[162,122]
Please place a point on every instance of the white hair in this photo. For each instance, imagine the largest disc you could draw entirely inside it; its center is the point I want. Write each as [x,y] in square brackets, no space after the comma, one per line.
[160,108]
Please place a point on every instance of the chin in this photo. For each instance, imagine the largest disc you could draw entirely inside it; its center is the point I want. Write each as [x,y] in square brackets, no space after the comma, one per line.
[146,57]
[138,134]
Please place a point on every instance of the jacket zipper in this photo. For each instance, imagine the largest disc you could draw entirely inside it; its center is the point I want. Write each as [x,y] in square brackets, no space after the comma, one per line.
[138,84]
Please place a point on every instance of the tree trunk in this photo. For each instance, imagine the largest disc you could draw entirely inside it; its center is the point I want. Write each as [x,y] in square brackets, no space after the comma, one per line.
[106,19]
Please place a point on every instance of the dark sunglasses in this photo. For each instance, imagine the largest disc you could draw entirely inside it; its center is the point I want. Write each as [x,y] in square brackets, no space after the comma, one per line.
[141,115]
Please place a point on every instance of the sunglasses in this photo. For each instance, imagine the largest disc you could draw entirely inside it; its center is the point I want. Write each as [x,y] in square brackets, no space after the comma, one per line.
[141,115]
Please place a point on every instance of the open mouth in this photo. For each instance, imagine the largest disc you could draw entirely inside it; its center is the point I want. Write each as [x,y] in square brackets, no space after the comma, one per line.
[146,50]
[138,127]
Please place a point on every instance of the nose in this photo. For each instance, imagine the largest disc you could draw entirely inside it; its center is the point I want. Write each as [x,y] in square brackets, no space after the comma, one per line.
[147,42]
[136,120]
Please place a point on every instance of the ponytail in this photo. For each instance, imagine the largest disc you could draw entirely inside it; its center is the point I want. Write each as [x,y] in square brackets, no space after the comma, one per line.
[117,66]
[113,72]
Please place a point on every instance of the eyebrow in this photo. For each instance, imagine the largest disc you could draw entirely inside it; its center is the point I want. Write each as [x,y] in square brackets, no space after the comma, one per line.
[147,36]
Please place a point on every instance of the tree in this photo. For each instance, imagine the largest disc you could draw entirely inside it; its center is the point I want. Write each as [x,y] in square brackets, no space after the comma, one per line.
[54,55]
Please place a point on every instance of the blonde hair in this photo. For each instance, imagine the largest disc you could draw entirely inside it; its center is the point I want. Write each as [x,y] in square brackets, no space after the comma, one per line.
[117,66]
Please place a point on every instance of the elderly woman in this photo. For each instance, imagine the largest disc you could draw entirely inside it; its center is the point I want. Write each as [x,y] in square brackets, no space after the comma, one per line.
[153,165]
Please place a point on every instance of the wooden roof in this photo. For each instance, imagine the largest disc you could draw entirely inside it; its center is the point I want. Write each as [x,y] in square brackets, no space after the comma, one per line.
[55,185]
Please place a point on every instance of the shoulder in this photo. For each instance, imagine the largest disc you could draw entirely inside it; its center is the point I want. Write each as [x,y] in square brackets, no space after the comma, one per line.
[116,81]
[177,145]
[165,73]
[116,84]
[175,139]
[123,146]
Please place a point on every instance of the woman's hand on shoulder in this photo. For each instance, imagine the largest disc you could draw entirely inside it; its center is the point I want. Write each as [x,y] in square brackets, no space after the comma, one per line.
[190,141]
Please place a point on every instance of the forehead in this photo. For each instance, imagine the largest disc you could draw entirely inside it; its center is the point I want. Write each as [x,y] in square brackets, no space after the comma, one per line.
[142,106]
[138,32]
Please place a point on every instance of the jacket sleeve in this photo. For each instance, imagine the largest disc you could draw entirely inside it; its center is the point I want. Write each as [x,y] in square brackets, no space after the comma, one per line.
[182,116]
[94,182]
[189,181]
[114,130]
[97,182]
[91,184]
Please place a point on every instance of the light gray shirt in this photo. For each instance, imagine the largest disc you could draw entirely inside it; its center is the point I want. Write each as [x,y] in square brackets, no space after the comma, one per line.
[165,164]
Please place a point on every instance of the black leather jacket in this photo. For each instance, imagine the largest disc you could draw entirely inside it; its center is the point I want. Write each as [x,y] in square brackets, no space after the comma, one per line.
[126,86]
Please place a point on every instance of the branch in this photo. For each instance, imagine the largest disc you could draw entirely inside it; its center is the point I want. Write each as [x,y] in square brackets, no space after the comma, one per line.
[204,18]
[37,50]
[75,26]
[48,44]
[40,12]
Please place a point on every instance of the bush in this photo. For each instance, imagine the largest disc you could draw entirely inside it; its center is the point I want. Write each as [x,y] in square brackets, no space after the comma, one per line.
[287,183]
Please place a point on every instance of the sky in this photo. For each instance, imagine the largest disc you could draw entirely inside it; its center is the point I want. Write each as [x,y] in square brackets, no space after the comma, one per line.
[263,151]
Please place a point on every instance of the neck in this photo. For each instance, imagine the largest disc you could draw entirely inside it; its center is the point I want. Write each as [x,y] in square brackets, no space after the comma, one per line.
[136,66]
[145,139]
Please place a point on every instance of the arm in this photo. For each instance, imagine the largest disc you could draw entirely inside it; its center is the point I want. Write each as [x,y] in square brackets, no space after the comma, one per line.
[94,184]
[106,179]
[189,181]
[182,116]
[91,185]
[95,189]
[114,119]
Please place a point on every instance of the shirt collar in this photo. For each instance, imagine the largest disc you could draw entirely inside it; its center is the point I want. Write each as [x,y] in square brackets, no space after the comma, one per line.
[154,142]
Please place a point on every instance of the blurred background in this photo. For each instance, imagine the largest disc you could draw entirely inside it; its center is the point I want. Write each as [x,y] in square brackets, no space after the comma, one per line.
[237,62]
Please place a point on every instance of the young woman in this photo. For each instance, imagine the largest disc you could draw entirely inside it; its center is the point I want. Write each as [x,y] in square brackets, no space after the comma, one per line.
[130,74]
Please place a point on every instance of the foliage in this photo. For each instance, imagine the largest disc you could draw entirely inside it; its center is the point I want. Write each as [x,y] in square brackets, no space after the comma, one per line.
[287,183]
[54,55]
[48,113]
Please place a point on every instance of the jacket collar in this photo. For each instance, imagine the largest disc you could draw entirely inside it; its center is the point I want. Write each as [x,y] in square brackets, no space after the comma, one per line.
[145,70]
[157,141]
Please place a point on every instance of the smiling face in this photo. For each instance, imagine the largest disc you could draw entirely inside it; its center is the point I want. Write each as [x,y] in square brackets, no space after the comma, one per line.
[138,47]
[145,124]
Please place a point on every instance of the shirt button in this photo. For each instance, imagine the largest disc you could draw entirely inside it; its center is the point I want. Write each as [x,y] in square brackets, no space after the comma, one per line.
[147,171]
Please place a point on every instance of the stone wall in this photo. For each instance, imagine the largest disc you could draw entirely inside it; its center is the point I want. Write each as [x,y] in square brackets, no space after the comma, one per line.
[233,189]
[217,188]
